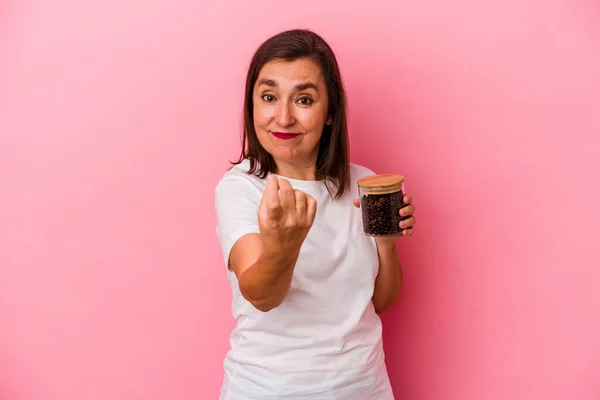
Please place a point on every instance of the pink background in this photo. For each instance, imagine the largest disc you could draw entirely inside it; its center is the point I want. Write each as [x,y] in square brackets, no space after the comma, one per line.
[117,118]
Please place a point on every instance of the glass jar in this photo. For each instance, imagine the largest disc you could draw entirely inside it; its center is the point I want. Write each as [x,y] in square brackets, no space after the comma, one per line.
[381,198]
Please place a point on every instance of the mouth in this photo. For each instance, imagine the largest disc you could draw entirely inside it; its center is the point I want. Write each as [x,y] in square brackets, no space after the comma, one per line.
[285,135]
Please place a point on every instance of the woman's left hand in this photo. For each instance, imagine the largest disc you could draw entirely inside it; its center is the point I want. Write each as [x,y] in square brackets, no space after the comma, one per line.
[407,223]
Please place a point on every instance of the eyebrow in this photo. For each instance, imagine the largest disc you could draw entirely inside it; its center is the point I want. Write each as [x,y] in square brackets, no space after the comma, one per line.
[298,87]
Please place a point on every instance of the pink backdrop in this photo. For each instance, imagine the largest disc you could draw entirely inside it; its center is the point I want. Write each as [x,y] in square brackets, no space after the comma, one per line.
[117,118]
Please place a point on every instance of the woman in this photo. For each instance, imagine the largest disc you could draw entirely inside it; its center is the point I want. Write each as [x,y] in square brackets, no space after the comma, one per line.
[307,284]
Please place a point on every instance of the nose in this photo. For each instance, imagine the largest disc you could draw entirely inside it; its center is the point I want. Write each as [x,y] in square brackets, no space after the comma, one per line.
[285,114]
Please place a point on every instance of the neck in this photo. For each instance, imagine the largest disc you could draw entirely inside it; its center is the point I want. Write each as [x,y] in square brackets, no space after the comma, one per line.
[304,172]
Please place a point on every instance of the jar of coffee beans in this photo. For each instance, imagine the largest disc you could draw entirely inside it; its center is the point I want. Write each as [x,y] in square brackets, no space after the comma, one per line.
[381,198]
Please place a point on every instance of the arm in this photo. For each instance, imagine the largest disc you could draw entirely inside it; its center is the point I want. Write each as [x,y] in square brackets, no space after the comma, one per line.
[388,284]
[263,280]
[264,261]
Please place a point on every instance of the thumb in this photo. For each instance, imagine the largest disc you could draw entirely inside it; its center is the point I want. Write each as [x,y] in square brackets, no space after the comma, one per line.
[357,203]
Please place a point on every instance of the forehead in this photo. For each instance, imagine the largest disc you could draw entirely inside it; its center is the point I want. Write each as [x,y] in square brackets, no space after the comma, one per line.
[292,72]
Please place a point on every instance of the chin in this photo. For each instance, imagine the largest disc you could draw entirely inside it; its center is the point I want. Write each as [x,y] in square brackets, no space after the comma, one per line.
[281,154]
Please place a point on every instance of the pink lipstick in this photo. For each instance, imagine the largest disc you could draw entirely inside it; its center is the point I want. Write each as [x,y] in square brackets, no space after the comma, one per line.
[285,135]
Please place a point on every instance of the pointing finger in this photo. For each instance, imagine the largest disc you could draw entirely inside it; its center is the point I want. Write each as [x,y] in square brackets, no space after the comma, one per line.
[272,198]
[287,196]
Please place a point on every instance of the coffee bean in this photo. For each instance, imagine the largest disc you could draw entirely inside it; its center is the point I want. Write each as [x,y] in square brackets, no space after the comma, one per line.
[381,213]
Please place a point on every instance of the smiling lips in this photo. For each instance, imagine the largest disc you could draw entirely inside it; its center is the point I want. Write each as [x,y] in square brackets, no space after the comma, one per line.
[285,135]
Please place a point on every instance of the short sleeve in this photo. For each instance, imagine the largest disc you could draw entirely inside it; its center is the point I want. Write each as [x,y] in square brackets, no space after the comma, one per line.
[236,206]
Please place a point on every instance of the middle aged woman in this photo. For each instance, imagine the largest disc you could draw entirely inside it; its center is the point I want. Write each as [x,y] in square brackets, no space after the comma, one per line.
[307,283]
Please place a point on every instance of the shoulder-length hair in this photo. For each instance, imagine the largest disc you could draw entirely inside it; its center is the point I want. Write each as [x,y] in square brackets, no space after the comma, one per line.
[333,163]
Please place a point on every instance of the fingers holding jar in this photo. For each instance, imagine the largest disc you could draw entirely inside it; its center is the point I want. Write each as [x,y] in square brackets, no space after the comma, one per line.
[407,214]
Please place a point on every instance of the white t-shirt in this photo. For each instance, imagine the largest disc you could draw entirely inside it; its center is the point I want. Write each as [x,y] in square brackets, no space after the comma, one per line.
[324,341]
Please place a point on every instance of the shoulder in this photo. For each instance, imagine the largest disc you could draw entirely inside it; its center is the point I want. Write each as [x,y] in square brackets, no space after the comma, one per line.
[358,171]
[238,182]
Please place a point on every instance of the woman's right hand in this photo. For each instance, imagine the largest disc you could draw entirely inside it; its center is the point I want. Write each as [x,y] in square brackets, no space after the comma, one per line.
[285,216]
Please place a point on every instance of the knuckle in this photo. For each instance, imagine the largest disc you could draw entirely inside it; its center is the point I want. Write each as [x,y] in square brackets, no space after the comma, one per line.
[275,213]
[284,184]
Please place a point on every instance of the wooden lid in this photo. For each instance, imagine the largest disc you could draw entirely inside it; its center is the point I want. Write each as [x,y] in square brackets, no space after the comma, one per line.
[380,180]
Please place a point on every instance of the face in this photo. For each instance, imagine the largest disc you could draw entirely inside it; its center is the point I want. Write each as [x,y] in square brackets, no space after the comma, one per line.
[290,110]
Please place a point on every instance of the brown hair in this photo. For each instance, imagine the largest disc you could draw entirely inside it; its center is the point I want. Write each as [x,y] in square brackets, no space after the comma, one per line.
[333,163]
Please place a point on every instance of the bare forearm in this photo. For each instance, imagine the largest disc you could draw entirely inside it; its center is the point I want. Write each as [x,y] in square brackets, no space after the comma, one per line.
[266,283]
[388,284]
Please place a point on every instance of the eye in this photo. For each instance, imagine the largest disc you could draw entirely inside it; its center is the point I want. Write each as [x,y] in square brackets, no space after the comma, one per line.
[268,98]
[305,101]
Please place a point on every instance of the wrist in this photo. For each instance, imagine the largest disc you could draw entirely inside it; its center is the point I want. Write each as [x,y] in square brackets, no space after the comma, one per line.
[273,254]
[278,258]
[386,245]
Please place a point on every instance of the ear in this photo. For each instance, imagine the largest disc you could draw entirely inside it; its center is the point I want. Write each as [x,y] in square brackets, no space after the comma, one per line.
[329,121]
